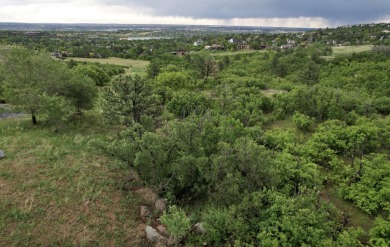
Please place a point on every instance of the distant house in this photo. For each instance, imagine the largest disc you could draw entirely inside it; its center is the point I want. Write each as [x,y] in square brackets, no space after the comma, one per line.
[331,42]
[218,47]
[198,42]
[291,42]
[286,47]
[179,53]
[33,34]
[243,46]
[56,54]
[232,41]
[214,47]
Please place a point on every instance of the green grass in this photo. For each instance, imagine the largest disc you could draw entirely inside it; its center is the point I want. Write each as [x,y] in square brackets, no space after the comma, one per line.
[57,190]
[134,66]
[345,50]
[356,216]
[284,124]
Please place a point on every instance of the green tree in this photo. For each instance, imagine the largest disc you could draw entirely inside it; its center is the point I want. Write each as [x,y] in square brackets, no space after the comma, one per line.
[27,75]
[30,75]
[380,233]
[310,74]
[98,75]
[153,69]
[185,103]
[129,100]
[238,169]
[302,121]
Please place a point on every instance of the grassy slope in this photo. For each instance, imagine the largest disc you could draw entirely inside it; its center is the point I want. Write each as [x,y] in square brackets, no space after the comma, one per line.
[56,191]
[135,66]
[342,50]
[348,50]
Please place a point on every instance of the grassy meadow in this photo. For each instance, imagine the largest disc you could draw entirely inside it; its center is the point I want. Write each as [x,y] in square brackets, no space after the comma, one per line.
[133,66]
[348,50]
[57,190]
[345,50]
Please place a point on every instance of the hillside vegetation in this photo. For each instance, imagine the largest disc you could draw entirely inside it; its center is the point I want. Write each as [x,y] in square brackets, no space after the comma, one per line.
[278,147]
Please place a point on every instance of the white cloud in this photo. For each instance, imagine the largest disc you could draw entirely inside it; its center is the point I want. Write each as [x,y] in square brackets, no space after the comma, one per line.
[96,11]
[310,22]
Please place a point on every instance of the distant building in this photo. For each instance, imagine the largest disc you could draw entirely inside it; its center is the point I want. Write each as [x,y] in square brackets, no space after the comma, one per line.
[232,41]
[243,46]
[263,47]
[198,42]
[179,53]
[56,54]
[33,34]
[214,47]
[286,47]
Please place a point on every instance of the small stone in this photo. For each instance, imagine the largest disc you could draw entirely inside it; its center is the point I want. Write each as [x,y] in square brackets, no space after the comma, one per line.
[199,228]
[171,241]
[2,155]
[147,195]
[145,212]
[151,234]
[87,203]
[162,242]
[160,205]
[162,229]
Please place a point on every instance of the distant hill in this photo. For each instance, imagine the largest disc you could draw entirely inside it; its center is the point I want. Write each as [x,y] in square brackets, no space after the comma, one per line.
[115,27]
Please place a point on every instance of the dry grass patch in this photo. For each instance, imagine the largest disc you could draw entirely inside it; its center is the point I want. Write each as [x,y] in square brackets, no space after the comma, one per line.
[134,67]
[343,50]
[57,191]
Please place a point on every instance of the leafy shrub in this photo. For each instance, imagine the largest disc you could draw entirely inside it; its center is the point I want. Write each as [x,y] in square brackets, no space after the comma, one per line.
[177,222]
[302,121]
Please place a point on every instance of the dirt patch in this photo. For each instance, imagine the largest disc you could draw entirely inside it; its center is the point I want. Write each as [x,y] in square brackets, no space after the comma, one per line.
[147,195]
[270,92]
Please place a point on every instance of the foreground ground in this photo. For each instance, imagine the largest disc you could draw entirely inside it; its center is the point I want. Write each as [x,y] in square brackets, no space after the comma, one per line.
[57,190]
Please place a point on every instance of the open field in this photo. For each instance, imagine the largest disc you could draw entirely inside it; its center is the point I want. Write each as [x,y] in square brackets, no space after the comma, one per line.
[343,50]
[57,190]
[347,50]
[134,66]
[228,53]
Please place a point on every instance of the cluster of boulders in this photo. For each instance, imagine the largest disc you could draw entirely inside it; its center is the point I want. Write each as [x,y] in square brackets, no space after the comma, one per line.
[156,232]
[150,212]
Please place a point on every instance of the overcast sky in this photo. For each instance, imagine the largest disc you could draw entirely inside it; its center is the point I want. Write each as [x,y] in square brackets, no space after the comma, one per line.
[286,13]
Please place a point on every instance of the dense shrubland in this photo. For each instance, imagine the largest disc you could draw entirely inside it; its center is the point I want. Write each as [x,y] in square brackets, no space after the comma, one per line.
[214,145]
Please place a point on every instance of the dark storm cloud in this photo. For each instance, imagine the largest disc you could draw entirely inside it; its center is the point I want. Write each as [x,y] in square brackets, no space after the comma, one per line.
[333,10]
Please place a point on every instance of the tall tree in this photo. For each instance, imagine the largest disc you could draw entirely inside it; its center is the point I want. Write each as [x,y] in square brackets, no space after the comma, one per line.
[32,76]
[128,100]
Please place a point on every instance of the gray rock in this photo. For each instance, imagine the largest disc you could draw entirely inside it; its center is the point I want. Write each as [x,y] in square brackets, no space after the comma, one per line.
[152,235]
[162,229]
[162,242]
[145,212]
[161,205]
[199,228]
[2,155]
